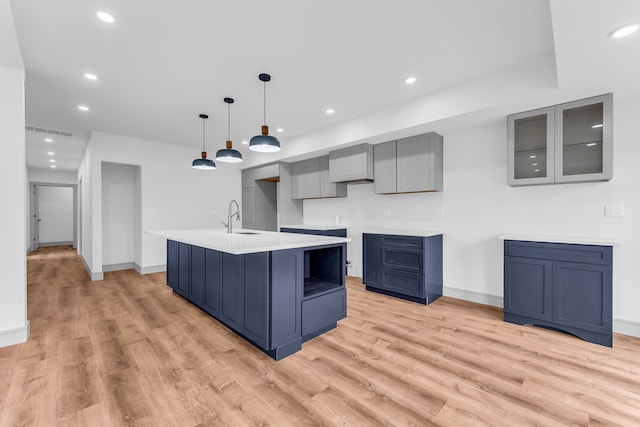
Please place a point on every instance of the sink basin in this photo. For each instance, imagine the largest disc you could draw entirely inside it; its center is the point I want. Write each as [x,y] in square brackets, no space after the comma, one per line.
[244,232]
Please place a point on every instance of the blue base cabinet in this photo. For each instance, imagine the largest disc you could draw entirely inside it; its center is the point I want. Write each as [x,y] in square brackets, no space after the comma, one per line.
[264,296]
[407,267]
[567,287]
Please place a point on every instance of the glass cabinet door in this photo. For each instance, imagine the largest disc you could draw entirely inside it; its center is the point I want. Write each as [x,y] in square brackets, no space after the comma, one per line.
[583,148]
[530,147]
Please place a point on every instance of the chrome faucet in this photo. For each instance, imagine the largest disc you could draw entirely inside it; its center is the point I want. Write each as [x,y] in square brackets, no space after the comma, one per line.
[230,215]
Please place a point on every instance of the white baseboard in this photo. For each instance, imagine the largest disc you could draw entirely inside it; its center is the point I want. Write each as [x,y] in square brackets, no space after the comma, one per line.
[15,336]
[626,327]
[94,276]
[150,270]
[117,267]
[480,298]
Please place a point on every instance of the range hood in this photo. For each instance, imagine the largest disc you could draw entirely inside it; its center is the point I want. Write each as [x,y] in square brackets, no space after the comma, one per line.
[352,165]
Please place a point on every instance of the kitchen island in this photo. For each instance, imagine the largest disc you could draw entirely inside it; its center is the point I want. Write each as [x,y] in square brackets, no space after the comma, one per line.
[276,290]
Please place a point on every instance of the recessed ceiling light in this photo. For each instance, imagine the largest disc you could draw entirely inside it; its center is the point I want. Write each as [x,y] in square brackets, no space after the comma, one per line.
[48,140]
[104,16]
[330,111]
[51,153]
[53,166]
[280,130]
[83,108]
[532,157]
[534,164]
[592,144]
[624,31]
[90,76]
[245,142]
[597,126]
[52,160]
[410,80]
[537,170]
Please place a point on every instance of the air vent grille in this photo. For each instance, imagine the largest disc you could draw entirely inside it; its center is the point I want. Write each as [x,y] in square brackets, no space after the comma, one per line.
[49,131]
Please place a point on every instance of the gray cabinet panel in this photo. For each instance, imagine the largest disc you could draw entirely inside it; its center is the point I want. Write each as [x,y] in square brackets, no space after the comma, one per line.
[248,178]
[271,171]
[384,156]
[328,188]
[248,208]
[305,179]
[351,163]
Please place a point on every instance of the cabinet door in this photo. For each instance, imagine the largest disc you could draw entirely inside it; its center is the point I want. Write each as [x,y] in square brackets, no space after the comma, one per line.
[305,179]
[351,163]
[287,283]
[232,291]
[583,140]
[268,172]
[172,263]
[528,287]
[248,208]
[384,166]
[184,269]
[582,296]
[255,287]
[371,260]
[419,163]
[530,158]
[328,188]
[213,279]
[198,274]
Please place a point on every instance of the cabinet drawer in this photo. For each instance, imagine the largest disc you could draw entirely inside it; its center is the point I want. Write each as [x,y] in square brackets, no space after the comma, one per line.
[323,311]
[404,241]
[404,283]
[590,254]
[404,259]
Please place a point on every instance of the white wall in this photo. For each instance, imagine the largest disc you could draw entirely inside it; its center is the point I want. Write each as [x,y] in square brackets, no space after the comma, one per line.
[173,195]
[118,213]
[50,176]
[477,205]
[55,211]
[13,288]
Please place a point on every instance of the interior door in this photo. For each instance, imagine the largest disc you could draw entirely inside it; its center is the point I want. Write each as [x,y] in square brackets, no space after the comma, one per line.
[53,215]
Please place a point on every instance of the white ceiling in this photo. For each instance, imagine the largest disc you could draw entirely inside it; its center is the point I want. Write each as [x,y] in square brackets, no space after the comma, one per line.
[163,62]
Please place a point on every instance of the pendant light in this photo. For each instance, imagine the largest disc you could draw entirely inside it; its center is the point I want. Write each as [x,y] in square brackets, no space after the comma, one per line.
[203,163]
[229,155]
[264,143]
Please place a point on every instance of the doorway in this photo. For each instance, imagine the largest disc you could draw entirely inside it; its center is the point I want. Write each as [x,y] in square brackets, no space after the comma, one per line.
[53,215]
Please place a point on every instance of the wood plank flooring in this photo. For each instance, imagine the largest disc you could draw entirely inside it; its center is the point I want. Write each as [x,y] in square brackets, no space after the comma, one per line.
[127,351]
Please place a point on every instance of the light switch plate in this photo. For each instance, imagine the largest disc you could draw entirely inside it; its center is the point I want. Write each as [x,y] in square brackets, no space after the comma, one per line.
[614,211]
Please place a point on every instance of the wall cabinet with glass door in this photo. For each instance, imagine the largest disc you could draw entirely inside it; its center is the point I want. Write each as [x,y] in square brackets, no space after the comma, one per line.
[570,142]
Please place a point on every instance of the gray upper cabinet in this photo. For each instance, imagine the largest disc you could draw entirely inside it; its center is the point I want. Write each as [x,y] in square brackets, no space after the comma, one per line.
[248,178]
[351,164]
[267,172]
[310,180]
[409,165]
[571,142]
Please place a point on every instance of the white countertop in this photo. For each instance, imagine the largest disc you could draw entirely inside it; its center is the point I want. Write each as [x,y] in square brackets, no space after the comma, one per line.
[598,241]
[315,227]
[218,239]
[402,232]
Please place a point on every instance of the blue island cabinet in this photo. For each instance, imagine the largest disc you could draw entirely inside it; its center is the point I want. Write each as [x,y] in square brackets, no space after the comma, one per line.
[264,296]
[407,267]
[567,287]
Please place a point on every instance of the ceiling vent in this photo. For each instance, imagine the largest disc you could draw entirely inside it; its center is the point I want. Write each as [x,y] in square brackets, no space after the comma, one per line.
[48,131]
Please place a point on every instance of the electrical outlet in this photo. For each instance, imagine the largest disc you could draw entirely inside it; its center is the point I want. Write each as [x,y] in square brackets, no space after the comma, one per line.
[438,212]
[386,212]
[614,211]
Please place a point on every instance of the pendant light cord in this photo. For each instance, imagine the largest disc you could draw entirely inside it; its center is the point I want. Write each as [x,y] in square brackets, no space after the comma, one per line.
[264,98]
[203,135]
[229,122]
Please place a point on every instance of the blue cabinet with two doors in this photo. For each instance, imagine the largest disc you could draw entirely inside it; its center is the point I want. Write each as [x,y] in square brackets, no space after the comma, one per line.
[561,286]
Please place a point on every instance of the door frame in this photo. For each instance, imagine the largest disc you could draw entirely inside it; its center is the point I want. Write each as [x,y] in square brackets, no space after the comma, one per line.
[33,235]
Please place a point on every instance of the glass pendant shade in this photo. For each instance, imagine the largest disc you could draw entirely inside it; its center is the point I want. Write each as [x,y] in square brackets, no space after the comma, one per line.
[203,163]
[264,143]
[229,155]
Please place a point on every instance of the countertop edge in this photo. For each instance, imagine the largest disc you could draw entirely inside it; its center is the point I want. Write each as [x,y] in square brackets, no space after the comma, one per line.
[574,240]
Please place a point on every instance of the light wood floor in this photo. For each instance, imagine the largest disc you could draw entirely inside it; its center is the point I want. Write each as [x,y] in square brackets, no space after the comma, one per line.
[127,351]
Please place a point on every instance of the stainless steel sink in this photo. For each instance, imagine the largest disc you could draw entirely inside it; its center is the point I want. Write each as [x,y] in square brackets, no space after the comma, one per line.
[244,232]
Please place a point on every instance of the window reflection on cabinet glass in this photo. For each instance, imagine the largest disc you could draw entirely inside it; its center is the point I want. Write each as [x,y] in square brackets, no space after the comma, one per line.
[530,147]
[582,140]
